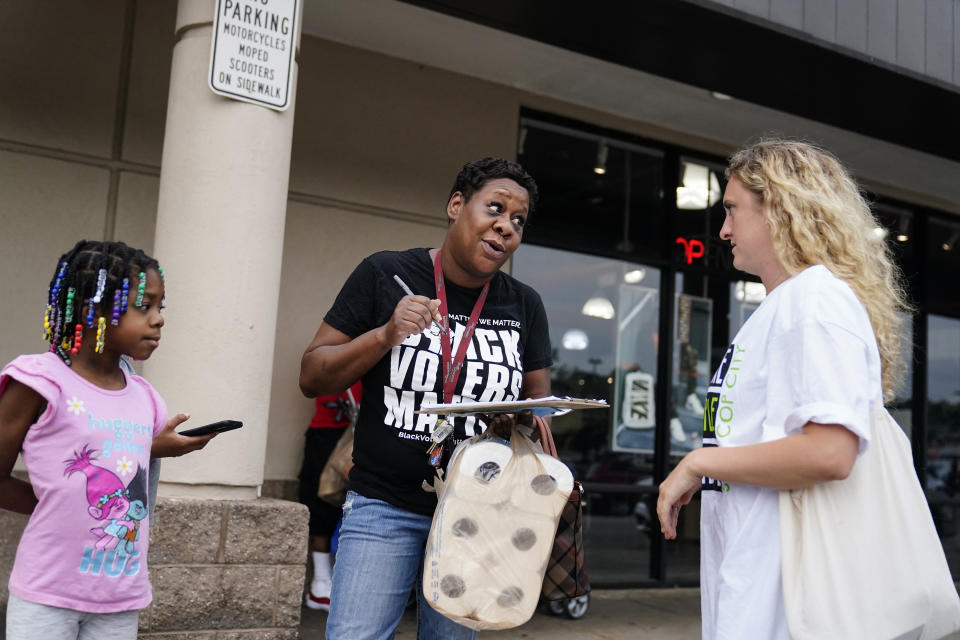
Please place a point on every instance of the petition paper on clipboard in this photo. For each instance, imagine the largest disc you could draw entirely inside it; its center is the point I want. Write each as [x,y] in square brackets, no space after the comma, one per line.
[543,407]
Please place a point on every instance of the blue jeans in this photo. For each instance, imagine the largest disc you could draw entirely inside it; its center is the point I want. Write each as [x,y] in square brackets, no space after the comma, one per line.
[379,561]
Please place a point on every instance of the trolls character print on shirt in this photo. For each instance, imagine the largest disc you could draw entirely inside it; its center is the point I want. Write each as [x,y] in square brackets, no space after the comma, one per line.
[117,511]
[492,371]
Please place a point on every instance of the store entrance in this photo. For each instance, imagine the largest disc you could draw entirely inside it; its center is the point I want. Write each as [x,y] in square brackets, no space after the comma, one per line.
[610,329]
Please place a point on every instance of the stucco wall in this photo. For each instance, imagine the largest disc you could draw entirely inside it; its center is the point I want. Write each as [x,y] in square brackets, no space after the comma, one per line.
[74,162]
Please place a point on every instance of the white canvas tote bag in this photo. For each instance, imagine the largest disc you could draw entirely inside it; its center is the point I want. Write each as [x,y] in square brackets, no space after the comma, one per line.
[861,557]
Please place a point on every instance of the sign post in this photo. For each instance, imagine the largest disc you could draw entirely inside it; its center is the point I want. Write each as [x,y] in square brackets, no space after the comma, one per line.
[251,53]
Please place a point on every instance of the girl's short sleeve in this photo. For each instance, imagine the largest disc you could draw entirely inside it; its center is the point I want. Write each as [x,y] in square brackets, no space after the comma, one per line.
[33,371]
[159,405]
[161,411]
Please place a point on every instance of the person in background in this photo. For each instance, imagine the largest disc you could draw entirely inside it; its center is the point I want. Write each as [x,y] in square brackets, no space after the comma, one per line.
[490,342]
[333,414]
[790,404]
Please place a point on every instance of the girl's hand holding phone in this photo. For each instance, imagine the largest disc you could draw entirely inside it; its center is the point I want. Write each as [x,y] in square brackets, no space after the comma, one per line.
[168,443]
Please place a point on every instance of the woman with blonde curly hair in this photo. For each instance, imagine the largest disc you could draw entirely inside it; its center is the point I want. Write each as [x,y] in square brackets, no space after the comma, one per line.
[790,404]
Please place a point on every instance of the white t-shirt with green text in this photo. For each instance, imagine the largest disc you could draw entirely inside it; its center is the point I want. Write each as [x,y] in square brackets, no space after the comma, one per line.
[807,354]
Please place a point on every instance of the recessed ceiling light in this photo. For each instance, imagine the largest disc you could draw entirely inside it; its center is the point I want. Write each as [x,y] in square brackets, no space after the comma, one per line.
[600,166]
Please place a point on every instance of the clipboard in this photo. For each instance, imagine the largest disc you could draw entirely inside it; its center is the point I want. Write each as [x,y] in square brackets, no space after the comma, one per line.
[543,407]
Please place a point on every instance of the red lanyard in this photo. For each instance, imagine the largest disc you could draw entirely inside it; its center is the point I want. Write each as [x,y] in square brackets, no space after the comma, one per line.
[451,367]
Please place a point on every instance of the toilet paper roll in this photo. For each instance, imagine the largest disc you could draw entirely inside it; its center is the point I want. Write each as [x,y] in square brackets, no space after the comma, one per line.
[466,531]
[546,487]
[455,454]
[527,541]
[510,602]
[469,442]
[454,585]
[484,563]
[478,475]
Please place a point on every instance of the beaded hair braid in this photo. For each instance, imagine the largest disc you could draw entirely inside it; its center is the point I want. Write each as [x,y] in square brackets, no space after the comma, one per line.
[91,274]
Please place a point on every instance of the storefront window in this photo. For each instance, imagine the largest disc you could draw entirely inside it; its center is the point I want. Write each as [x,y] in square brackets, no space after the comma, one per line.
[698,342]
[942,257]
[598,194]
[943,432]
[901,406]
[621,214]
[699,216]
[745,297]
[605,349]
[899,228]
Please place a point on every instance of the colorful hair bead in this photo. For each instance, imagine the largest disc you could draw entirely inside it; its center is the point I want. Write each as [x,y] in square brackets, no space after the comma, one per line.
[46,323]
[101,334]
[101,285]
[90,309]
[116,308]
[55,289]
[69,312]
[77,339]
[125,295]
[50,313]
[56,322]
[160,271]
[141,287]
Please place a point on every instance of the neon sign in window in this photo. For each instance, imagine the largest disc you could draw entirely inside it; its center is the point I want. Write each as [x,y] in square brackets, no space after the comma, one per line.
[692,249]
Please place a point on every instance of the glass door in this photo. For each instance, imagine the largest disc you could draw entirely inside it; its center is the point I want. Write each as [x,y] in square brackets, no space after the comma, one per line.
[943,432]
[603,316]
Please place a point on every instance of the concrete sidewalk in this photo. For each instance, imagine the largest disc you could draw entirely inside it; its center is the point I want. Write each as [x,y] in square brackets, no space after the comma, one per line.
[627,614]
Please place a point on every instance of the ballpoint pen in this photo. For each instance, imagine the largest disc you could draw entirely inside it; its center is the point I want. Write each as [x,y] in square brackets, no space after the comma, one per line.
[406,289]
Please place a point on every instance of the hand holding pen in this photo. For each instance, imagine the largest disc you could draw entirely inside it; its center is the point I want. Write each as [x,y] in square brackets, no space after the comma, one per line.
[438,330]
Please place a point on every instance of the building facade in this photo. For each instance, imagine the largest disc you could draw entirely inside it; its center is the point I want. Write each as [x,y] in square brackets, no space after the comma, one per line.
[624,114]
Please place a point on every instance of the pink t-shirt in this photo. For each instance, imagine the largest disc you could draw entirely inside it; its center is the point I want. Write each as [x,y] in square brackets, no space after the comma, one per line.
[88,456]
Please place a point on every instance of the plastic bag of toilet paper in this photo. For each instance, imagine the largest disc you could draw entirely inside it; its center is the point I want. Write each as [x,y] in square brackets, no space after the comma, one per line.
[493,531]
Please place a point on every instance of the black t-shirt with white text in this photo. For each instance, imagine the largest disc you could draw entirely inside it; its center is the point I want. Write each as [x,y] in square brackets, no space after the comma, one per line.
[391,442]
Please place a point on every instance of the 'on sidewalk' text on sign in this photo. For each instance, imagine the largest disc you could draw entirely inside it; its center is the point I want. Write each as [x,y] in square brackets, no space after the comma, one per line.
[251,55]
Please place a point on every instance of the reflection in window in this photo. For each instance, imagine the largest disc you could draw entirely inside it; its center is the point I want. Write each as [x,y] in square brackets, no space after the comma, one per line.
[901,406]
[745,297]
[943,431]
[699,187]
[607,189]
[693,320]
[637,340]
[699,217]
[611,356]
[898,228]
[943,264]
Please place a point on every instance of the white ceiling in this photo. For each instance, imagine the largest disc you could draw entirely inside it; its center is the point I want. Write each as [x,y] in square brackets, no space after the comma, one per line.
[425,37]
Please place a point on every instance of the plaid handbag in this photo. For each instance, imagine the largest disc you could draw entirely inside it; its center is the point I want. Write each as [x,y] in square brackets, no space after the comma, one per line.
[566,575]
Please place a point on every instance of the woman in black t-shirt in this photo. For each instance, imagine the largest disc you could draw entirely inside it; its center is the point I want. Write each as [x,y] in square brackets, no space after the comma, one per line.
[468,331]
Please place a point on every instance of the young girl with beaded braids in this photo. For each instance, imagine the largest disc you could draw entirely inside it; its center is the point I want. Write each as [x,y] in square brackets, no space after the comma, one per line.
[87,429]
